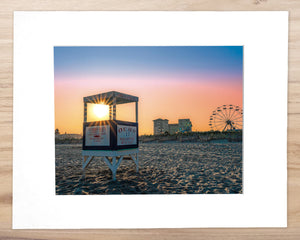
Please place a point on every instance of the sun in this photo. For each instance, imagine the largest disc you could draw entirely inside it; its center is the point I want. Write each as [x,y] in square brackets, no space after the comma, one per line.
[101,110]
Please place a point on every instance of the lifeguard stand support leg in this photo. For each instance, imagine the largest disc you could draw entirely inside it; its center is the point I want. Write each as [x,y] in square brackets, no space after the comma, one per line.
[113,164]
[134,157]
[112,159]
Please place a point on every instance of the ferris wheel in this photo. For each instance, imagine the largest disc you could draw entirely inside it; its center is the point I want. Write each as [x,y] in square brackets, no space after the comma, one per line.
[226,118]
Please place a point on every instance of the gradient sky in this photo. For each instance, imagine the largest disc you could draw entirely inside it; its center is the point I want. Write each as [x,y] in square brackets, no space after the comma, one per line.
[171,82]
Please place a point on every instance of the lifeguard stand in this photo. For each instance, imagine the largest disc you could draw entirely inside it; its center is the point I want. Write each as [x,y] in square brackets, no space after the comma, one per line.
[112,140]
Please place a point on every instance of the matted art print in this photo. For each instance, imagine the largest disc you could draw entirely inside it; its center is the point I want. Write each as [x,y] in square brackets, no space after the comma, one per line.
[150,119]
[181,109]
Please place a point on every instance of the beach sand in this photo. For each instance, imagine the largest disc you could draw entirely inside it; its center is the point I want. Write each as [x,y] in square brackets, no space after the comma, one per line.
[164,168]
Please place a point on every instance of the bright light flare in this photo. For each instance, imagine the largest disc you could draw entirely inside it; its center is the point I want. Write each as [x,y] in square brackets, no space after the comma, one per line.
[101,110]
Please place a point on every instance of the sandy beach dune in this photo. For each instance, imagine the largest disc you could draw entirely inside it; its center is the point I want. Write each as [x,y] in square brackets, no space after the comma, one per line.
[165,168]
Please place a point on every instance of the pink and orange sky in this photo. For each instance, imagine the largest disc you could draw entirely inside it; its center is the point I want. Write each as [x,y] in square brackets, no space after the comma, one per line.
[171,82]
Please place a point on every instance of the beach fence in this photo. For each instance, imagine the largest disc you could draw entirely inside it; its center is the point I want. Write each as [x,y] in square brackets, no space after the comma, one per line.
[112,140]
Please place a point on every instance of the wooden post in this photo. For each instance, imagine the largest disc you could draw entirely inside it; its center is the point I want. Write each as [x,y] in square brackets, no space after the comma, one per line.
[114,168]
[136,112]
[137,162]
[110,112]
[114,108]
[85,112]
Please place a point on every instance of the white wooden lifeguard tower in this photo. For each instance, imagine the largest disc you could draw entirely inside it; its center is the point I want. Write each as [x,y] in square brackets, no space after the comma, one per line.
[112,140]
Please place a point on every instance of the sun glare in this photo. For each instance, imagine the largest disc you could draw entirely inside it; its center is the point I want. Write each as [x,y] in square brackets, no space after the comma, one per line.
[101,110]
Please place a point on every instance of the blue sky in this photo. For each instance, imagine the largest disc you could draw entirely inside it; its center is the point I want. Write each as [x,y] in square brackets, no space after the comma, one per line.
[164,61]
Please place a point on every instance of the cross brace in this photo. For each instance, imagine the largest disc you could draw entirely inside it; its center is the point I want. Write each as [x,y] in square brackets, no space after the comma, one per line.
[112,162]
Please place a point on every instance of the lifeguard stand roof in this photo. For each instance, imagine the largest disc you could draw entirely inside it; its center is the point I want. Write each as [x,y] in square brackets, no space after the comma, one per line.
[108,98]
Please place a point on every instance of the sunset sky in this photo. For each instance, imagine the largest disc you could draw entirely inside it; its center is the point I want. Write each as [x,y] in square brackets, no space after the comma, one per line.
[171,82]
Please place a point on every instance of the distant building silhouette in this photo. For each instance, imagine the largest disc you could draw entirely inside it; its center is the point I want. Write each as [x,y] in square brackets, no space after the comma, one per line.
[161,126]
[173,128]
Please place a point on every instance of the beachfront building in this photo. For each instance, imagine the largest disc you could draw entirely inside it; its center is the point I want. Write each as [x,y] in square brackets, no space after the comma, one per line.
[173,128]
[185,125]
[161,126]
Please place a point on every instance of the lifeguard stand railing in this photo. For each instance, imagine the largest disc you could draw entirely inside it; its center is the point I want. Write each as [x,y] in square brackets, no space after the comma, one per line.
[112,140]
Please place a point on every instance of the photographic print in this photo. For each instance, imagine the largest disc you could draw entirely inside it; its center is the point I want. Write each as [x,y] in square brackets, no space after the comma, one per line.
[149,120]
